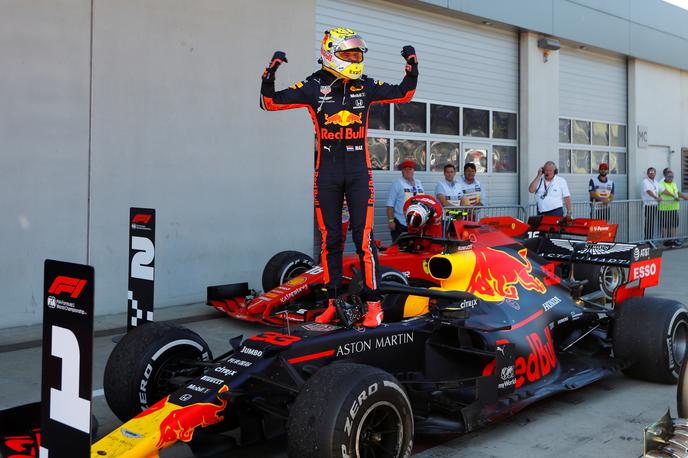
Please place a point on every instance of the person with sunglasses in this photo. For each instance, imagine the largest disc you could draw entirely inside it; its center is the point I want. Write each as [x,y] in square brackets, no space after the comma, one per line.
[669,204]
[338,98]
[551,192]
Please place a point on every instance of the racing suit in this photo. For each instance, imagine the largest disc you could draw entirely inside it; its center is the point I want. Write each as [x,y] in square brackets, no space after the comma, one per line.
[339,110]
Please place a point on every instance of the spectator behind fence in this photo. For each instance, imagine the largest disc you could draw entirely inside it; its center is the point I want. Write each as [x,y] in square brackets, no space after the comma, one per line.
[601,189]
[449,191]
[650,196]
[551,191]
[402,189]
[472,191]
[670,198]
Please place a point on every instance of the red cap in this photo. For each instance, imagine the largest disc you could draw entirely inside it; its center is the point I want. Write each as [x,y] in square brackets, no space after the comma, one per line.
[604,165]
[408,163]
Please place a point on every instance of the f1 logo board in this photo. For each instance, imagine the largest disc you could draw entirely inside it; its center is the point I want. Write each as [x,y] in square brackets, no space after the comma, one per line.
[141,266]
[68,293]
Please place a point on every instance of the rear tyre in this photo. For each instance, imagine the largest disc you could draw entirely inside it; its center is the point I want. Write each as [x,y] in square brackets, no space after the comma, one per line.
[602,278]
[284,266]
[141,368]
[651,334]
[350,410]
[387,274]
[682,391]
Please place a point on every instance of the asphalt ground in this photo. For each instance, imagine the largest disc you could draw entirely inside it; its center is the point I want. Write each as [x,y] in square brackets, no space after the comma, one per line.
[605,419]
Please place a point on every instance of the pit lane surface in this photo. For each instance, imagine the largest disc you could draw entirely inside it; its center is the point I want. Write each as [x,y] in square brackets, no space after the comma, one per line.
[604,419]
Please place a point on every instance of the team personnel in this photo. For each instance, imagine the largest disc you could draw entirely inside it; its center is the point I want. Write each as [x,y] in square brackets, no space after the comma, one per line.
[448,190]
[650,197]
[338,98]
[601,190]
[401,190]
[472,191]
[669,205]
[551,191]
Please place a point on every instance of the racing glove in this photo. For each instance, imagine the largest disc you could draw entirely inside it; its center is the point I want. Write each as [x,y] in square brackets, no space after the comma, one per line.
[408,52]
[277,59]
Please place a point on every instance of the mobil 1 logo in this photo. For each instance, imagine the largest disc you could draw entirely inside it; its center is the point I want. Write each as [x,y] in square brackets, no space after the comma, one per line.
[141,266]
[67,359]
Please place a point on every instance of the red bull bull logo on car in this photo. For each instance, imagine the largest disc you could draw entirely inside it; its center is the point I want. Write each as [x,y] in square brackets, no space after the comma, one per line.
[343,118]
[497,273]
[181,423]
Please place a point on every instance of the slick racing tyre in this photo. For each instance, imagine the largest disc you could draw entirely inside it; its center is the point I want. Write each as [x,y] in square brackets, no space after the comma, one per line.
[141,369]
[651,334]
[603,278]
[284,266]
[387,274]
[682,392]
[350,410]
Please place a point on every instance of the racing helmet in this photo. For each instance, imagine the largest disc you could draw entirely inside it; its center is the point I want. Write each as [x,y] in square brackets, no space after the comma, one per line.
[342,53]
[418,214]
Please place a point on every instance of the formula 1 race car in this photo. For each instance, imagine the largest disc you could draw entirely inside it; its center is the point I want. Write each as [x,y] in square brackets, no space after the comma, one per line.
[498,333]
[293,283]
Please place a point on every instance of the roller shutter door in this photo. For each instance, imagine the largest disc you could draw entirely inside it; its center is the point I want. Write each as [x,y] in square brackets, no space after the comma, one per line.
[462,65]
[592,94]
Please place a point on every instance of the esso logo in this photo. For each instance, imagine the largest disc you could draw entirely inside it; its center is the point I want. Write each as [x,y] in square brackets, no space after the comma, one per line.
[647,270]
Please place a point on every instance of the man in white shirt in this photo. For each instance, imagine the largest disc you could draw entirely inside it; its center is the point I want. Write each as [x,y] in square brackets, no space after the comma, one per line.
[601,189]
[551,191]
[448,190]
[400,191]
[650,197]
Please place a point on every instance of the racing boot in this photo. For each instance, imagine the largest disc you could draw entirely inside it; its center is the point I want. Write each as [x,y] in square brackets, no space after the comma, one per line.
[373,318]
[328,314]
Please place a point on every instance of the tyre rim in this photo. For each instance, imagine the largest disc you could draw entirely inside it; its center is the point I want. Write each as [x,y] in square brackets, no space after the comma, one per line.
[294,272]
[395,277]
[679,342]
[610,279]
[169,368]
[380,433]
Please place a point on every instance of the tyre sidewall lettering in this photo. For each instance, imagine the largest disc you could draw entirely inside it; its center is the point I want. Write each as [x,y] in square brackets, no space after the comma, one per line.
[148,372]
[366,399]
[286,273]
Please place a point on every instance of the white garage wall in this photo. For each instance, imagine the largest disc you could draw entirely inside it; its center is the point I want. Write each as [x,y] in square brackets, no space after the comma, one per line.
[177,127]
[44,106]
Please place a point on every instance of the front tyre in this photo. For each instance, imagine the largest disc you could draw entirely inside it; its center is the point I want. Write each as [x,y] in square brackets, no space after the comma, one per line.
[284,266]
[142,368]
[651,334]
[350,410]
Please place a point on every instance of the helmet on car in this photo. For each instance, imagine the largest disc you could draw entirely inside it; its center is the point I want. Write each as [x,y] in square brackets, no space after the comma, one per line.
[418,214]
[342,53]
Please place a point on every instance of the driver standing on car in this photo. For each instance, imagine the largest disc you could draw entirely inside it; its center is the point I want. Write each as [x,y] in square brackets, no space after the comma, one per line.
[338,98]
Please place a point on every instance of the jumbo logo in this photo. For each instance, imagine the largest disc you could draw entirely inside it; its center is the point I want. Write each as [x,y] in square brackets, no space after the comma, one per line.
[540,361]
[343,118]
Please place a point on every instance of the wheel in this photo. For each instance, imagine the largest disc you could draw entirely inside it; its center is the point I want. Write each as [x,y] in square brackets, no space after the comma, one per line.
[350,410]
[140,369]
[387,274]
[682,392]
[602,278]
[284,266]
[651,334]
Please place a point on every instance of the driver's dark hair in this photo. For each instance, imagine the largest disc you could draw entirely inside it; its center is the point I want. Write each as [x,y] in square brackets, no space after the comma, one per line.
[650,168]
[666,170]
[449,166]
[469,165]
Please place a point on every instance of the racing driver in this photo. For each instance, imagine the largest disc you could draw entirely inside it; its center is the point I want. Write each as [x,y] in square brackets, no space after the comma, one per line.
[338,98]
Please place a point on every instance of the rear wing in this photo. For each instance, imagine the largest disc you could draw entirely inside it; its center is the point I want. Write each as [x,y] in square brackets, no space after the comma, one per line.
[592,230]
[600,253]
